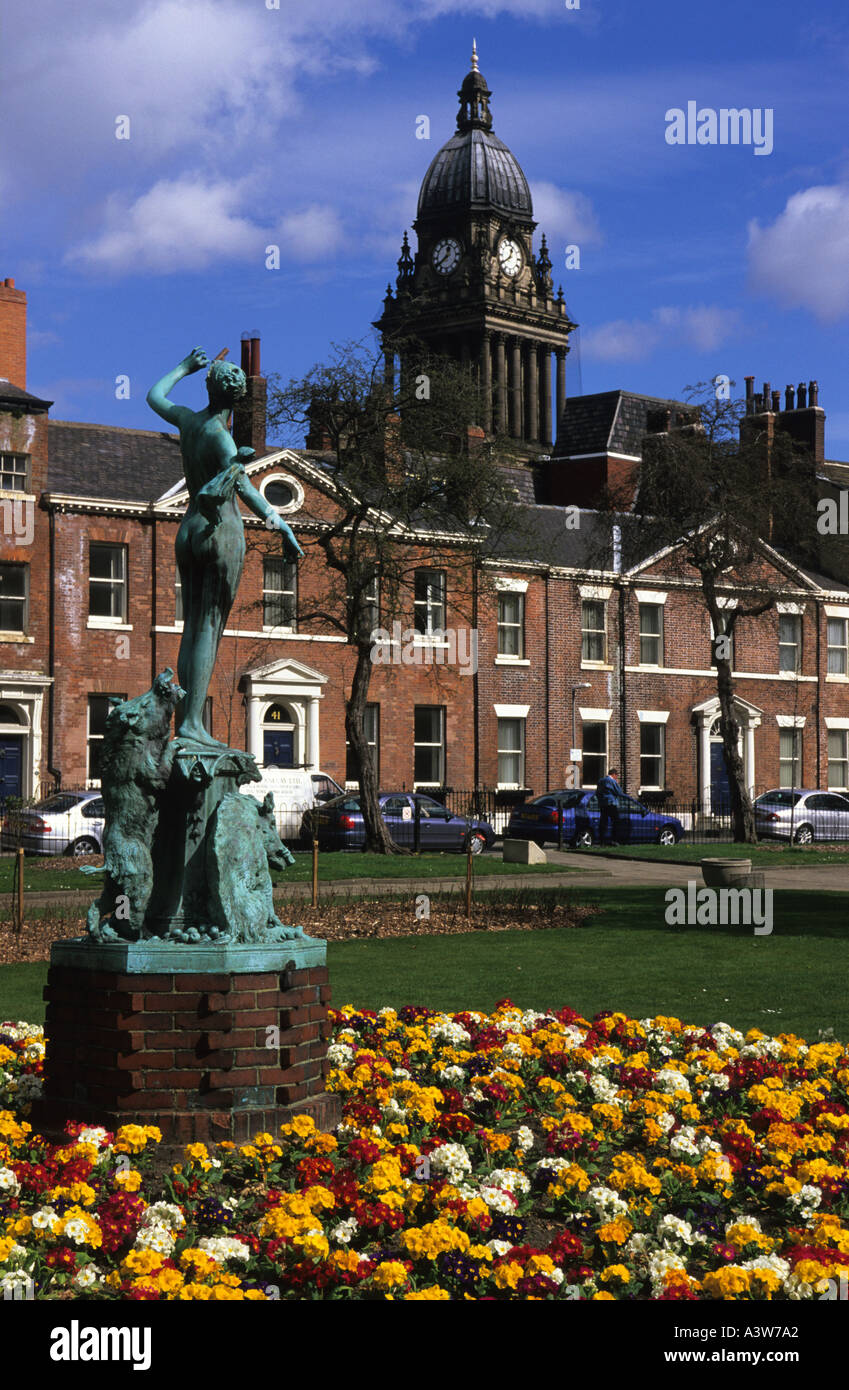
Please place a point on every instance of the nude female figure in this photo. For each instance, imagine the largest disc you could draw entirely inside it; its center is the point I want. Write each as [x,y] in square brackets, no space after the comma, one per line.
[210,543]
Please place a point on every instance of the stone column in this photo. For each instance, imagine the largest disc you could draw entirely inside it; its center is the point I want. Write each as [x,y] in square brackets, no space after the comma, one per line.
[532,379]
[486,381]
[545,396]
[561,388]
[501,383]
[516,388]
[311,757]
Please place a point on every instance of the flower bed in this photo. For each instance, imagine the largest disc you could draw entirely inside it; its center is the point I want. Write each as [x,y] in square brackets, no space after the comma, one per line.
[518,1155]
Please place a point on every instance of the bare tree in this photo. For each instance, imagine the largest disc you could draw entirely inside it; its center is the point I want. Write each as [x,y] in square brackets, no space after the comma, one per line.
[407,485]
[712,496]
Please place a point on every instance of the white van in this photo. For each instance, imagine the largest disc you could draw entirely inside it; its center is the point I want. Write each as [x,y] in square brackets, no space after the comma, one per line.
[295,791]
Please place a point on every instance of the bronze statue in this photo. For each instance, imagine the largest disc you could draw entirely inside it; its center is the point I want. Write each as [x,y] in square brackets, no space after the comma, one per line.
[211,540]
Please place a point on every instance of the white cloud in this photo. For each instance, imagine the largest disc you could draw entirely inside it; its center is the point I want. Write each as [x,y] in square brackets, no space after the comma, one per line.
[179,224]
[802,258]
[564,216]
[702,326]
[310,235]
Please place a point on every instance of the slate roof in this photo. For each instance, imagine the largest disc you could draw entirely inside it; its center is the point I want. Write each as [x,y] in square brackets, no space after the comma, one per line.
[17,396]
[613,421]
[111,462]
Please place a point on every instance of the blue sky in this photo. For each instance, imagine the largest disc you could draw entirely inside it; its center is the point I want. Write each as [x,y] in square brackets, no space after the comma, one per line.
[251,125]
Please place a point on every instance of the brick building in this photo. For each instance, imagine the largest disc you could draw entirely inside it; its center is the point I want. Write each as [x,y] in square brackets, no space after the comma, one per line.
[581,665]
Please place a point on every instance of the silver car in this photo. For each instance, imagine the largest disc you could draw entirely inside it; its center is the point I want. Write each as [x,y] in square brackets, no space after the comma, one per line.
[788,813]
[64,823]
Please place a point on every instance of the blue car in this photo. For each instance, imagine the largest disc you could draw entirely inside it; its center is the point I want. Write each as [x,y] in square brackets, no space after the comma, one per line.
[340,825]
[538,820]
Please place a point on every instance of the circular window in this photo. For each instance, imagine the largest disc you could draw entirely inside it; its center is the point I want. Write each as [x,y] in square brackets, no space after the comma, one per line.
[285,494]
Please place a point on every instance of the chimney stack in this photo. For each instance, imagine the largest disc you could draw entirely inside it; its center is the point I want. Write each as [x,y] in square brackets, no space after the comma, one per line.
[249,414]
[13,334]
[789,398]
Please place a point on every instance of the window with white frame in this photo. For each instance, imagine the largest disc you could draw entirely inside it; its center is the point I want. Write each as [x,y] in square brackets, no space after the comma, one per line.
[511,624]
[429,601]
[14,472]
[594,764]
[789,643]
[107,582]
[371,724]
[593,630]
[511,752]
[838,759]
[279,593]
[14,605]
[99,707]
[789,757]
[651,634]
[429,745]
[653,756]
[838,646]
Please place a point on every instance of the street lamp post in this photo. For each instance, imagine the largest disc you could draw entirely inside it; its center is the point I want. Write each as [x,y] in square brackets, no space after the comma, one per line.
[584,685]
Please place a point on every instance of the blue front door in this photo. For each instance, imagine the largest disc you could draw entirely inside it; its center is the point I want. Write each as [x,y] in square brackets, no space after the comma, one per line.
[720,796]
[10,767]
[279,748]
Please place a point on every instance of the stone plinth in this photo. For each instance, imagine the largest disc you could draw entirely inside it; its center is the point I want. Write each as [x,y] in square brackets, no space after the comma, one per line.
[206,1042]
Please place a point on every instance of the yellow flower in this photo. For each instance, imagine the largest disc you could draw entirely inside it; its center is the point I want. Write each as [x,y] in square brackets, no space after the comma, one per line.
[615,1232]
[390,1274]
[432,1294]
[129,1181]
[508,1275]
[617,1273]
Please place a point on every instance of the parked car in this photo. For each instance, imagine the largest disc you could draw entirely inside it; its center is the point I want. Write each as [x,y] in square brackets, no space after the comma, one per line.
[296,792]
[64,823]
[340,824]
[538,820]
[790,813]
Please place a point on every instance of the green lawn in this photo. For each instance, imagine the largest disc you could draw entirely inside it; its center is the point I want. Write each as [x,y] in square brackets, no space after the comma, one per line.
[331,866]
[625,958]
[773,855]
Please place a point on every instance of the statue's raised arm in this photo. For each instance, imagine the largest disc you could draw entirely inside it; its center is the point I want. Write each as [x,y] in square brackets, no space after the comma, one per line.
[157,396]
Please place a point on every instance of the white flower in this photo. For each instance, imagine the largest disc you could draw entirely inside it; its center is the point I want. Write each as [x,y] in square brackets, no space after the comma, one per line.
[670,1081]
[45,1219]
[451,1159]
[774,1263]
[93,1134]
[512,1049]
[607,1202]
[659,1263]
[510,1178]
[157,1238]
[666,1121]
[14,1280]
[524,1139]
[452,1073]
[743,1220]
[8,1182]
[88,1275]
[604,1089]
[674,1228]
[345,1231]
[499,1200]
[720,1082]
[683,1145]
[340,1055]
[223,1248]
[76,1231]
[443,1029]
[401,1073]
[163,1213]
[393,1111]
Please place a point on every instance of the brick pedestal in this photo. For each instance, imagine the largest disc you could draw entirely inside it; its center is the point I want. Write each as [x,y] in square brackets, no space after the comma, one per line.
[203,1055]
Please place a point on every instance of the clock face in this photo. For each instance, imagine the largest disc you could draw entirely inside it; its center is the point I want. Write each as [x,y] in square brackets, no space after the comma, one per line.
[509,256]
[446,255]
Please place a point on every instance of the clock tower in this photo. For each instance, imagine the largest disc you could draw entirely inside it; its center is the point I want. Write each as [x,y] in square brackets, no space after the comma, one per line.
[474,290]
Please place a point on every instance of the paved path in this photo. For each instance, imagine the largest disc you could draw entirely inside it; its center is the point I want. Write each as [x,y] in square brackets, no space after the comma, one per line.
[581,871]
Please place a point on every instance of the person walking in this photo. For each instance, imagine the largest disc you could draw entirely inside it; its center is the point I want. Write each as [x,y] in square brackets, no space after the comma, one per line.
[608,792]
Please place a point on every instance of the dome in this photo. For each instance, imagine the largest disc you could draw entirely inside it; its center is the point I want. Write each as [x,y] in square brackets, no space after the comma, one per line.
[475,169]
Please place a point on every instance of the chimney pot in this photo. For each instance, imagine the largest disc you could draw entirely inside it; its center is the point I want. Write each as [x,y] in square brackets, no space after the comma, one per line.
[246,356]
[802,396]
[10,284]
[813,393]
[789,398]
[255,368]
[776,401]
[766,395]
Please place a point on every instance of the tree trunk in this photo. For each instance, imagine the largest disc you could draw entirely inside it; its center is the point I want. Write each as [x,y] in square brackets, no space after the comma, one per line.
[378,838]
[742,814]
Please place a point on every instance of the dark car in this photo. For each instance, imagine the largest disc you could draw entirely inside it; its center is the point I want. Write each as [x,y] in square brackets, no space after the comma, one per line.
[538,820]
[339,824]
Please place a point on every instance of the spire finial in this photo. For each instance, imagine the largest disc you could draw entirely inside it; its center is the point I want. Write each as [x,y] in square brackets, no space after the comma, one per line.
[475,56]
